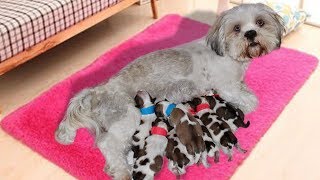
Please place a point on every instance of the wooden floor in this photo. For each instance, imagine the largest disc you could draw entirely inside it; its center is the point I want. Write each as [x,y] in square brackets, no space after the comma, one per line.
[289,150]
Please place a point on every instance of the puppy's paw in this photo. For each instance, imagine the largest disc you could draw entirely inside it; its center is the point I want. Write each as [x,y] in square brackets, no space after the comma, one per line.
[216,157]
[240,149]
[205,163]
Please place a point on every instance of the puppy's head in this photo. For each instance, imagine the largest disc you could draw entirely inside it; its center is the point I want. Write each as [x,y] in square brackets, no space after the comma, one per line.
[161,108]
[164,109]
[143,99]
[246,31]
[160,122]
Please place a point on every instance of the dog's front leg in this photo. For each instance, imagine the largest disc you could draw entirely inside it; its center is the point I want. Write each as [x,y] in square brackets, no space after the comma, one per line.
[238,95]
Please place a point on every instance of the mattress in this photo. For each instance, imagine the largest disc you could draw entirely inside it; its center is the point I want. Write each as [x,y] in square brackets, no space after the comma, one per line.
[24,23]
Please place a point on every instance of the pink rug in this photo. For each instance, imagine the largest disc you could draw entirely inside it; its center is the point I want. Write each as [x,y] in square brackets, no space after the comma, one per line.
[274,78]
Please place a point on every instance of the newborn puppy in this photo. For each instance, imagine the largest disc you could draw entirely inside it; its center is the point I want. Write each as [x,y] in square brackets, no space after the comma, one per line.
[212,150]
[176,152]
[147,165]
[187,127]
[234,117]
[219,129]
[184,122]
[145,103]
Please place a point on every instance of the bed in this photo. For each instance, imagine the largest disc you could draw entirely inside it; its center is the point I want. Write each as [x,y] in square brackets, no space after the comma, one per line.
[31,27]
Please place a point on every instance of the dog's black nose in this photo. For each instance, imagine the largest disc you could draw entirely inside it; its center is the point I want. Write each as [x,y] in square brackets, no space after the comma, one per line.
[251,34]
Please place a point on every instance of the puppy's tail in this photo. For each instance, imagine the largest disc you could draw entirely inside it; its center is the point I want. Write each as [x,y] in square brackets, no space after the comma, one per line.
[241,115]
[77,116]
[245,125]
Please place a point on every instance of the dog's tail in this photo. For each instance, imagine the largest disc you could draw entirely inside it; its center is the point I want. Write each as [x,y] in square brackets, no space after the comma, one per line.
[77,116]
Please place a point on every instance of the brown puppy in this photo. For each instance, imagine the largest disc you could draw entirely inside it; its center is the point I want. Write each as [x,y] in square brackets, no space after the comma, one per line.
[212,150]
[179,156]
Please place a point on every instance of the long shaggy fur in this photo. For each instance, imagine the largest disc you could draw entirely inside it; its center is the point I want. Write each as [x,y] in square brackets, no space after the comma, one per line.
[217,61]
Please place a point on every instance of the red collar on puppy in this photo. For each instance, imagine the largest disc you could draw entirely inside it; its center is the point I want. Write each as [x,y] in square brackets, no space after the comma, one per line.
[201,107]
[192,111]
[158,130]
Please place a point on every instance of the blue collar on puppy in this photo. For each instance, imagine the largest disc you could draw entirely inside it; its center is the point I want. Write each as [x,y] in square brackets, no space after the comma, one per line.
[170,108]
[147,110]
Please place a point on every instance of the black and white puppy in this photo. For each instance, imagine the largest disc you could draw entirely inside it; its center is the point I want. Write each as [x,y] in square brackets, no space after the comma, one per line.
[234,117]
[179,156]
[212,150]
[145,103]
[151,159]
[218,128]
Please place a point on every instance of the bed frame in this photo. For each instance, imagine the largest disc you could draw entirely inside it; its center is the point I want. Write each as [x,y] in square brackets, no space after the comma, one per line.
[64,35]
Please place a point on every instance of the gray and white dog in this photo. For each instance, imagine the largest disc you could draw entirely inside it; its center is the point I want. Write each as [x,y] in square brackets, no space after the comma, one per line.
[217,61]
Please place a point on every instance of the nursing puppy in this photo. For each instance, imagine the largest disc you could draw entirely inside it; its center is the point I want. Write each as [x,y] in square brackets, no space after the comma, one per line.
[146,105]
[178,155]
[217,61]
[219,129]
[151,160]
[212,149]
[234,117]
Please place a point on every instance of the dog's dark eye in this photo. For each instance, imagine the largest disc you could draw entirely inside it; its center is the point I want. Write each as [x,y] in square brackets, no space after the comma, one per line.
[237,28]
[260,22]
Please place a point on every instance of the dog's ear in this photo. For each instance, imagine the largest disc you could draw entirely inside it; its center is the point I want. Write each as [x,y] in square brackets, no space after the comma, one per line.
[216,36]
[277,19]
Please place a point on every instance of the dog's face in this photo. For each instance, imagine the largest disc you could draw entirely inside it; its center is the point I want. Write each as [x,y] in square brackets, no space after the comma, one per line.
[246,31]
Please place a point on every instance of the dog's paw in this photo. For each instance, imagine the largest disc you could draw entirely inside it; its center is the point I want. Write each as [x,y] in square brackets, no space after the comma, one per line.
[64,136]
[122,176]
[248,102]
[117,174]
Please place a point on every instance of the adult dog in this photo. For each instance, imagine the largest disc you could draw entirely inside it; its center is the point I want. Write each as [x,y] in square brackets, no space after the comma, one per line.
[217,61]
